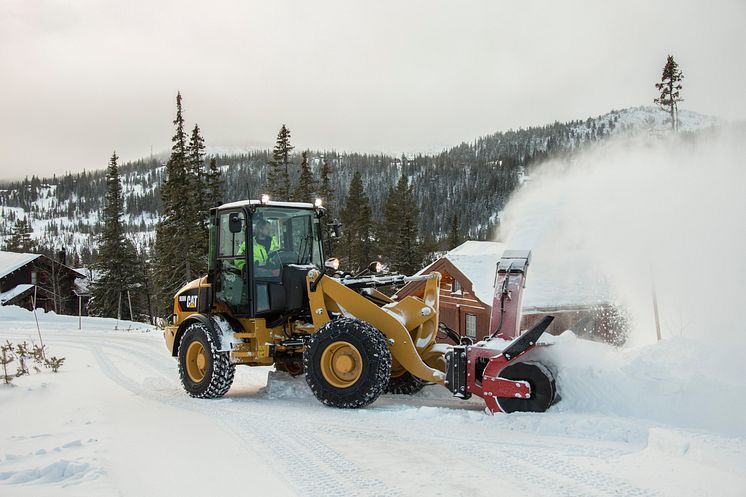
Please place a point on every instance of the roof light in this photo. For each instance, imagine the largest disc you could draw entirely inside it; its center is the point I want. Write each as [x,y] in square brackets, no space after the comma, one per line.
[265,198]
[317,202]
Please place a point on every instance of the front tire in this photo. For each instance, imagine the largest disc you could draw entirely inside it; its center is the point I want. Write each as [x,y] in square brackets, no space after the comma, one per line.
[205,372]
[347,363]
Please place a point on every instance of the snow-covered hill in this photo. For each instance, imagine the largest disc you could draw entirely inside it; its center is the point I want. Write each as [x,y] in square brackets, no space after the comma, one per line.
[115,421]
[474,179]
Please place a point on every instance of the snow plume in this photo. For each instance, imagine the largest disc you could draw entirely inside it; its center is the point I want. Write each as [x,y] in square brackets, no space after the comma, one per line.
[641,212]
[623,217]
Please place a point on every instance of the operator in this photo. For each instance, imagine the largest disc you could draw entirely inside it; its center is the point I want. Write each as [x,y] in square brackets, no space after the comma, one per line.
[263,244]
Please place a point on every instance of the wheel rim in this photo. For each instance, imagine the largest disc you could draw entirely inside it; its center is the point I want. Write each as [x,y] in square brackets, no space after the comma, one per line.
[341,364]
[196,362]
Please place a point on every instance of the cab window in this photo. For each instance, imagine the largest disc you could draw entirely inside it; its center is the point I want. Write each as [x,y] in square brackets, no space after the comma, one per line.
[230,243]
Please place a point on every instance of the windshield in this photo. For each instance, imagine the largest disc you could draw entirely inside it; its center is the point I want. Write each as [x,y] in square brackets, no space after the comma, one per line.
[290,233]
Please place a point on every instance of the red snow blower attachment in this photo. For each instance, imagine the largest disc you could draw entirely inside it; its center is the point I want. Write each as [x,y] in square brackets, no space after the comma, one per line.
[500,368]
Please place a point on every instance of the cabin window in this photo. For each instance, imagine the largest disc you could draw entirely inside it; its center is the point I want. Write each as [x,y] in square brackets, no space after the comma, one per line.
[471,325]
[456,287]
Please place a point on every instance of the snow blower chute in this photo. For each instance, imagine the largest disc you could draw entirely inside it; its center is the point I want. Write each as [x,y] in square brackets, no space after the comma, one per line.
[495,368]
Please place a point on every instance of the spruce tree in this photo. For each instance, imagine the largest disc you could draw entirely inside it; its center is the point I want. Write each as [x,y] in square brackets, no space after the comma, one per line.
[454,235]
[20,238]
[197,214]
[116,267]
[407,254]
[305,191]
[670,91]
[173,243]
[278,179]
[214,184]
[387,229]
[356,218]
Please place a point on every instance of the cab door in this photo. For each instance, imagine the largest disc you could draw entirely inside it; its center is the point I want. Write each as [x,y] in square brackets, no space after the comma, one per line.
[232,270]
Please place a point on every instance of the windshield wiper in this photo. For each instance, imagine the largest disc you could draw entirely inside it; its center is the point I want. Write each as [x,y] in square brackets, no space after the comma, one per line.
[305,248]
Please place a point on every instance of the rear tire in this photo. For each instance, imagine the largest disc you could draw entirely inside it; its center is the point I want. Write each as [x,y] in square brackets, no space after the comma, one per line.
[347,363]
[543,389]
[205,372]
[405,384]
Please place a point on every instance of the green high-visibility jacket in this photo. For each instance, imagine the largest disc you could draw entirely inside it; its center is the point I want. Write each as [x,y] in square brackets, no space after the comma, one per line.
[260,252]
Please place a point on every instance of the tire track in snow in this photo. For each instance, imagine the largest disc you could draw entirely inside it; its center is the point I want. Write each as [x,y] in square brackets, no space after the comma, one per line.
[540,471]
[313,468]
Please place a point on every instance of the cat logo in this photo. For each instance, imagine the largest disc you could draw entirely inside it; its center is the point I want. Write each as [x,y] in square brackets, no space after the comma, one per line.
[191,302]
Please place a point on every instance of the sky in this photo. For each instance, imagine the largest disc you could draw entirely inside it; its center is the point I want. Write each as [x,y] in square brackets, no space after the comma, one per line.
[82,78]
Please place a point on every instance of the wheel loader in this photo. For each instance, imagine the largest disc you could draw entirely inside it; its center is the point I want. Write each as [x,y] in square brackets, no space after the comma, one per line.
[271,298]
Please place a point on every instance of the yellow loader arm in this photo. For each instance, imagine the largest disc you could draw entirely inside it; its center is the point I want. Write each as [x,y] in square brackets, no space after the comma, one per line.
[410,325]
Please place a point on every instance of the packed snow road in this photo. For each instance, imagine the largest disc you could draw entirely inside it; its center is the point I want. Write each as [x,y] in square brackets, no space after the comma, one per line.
[115,421]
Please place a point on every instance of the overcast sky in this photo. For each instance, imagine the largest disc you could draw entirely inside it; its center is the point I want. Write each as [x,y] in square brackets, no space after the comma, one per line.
[80,78]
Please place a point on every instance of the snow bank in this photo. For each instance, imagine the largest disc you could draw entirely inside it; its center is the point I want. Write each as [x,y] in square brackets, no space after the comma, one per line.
[679,382]
[12,316]
[59,472]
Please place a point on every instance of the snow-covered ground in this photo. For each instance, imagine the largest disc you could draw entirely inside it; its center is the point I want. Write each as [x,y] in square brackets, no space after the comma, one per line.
[115,421]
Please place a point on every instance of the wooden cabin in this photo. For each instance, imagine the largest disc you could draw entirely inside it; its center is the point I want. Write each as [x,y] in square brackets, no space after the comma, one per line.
[25,277]
[467,290]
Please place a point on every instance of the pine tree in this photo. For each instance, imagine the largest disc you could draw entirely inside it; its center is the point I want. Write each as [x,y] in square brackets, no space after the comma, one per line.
[278,179]
[407,253]
[454,235]
[117,261]
[305,191]
[173,243]
[20,238]
[670,90]
[197,214]
[214,184]
[356,218]
[387,230]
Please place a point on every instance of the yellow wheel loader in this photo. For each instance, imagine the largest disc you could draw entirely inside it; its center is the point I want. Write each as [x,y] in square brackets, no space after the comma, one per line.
[271,298]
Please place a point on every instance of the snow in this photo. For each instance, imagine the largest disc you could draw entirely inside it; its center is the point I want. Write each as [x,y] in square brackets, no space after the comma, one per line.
[115,421]
[14,292]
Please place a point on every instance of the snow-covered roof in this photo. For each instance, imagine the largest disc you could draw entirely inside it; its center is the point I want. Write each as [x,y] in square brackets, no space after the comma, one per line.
[546,287]
[271,203]
[10,261]
[14,292]
[478,261]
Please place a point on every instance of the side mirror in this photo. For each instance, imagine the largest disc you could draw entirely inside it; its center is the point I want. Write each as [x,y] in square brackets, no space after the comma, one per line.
[234,222]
